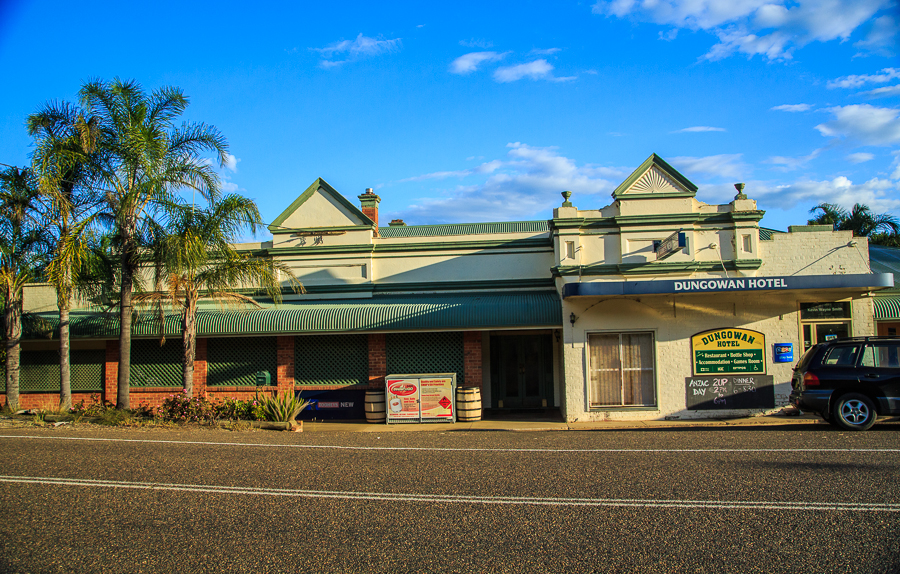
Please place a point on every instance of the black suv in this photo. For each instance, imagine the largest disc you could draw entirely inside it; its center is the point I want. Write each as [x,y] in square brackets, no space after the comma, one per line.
[849,381]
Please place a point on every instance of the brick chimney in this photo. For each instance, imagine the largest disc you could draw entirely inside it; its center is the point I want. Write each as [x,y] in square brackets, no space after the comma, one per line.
[369,206]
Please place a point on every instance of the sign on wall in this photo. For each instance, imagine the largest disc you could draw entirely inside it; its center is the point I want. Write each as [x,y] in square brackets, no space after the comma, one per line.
[729,392]
[729,351]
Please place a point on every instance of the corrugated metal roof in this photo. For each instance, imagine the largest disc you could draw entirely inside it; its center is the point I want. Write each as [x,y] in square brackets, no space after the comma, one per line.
[765,234]
[464,229]
[390,313]
[887,307]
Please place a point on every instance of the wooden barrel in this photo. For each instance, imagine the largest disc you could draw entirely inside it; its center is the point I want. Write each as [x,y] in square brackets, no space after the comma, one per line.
[375,407]
[468,404]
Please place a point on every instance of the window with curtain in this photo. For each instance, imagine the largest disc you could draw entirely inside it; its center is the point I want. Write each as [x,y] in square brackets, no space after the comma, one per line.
[622,372]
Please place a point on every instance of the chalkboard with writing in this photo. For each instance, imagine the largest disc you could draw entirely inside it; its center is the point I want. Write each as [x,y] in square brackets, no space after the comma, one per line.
[730,392]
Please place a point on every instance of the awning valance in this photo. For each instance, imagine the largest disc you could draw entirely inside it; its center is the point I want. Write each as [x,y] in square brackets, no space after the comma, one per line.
[859,282]
[887,307]
[380,313]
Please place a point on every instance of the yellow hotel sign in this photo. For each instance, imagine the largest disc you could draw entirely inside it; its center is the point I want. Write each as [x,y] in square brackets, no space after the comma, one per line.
[728,352]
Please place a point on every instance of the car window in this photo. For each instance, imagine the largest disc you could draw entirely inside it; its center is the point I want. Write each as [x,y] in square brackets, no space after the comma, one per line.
[843,356]
[883,355]
[868,358]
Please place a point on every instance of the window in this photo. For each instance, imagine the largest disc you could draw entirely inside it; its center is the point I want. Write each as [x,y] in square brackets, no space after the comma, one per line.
[622,372]
[570,250]
[841,357]
[822,322]
[883,355]
[747,243]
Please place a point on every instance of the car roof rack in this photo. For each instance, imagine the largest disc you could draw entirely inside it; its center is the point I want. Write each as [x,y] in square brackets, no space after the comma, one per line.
[865,338]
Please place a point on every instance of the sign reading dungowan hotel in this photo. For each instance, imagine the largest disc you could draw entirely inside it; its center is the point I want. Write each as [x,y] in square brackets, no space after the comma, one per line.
[732,284]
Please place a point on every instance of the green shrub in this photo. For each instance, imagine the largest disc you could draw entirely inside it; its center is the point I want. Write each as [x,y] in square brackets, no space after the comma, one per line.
[283,408]
[182,408]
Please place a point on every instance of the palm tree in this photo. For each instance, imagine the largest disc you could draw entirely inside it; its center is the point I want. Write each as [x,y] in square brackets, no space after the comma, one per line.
[861,220]
[196,259]
[63,163]
[21,251]
[143,160]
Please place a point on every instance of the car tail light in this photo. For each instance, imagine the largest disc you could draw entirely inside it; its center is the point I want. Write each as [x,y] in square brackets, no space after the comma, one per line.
[810,380]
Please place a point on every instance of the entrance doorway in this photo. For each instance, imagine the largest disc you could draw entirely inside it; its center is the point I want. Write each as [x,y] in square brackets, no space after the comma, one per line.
[521,371]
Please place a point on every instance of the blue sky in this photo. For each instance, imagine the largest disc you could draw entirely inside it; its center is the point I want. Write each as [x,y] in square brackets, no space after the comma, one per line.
[480,111]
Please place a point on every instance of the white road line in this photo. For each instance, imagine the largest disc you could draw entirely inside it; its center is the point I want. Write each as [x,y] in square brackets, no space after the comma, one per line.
[463,499]
[444,449]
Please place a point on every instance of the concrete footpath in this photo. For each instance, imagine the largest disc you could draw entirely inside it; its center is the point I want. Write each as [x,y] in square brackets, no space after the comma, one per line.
[545,425]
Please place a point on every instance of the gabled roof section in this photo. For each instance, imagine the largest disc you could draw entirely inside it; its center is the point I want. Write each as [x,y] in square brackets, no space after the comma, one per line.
[655,178]
[330,209]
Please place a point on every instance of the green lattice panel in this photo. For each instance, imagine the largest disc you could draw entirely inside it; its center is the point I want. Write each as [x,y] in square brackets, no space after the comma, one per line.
[331,359]
[153,365]
[39,371]
[235,361]
[425,353]
[87,370]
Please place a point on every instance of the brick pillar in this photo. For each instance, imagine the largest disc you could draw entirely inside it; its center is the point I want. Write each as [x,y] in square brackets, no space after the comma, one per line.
[377,360]
[369,206]
[201,369]
[111,372]
[285,370]
[472,359]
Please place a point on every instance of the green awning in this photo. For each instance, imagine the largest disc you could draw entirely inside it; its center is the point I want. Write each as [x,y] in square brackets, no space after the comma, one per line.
[887,307]
[380,313]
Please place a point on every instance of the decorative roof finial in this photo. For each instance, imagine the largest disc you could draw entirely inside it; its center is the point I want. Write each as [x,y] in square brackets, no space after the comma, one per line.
[740,191]
[566,195]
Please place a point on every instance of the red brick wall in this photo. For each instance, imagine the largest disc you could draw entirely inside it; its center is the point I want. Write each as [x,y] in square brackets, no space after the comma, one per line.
[377,360]
[472,362]
[111,372]
[372,213]
[200,369]
[285,370]
[49,401]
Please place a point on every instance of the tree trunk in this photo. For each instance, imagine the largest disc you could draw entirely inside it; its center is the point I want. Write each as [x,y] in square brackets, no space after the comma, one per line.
[64,302]
[123,398]
[189,343]
[65,389]
[13,321]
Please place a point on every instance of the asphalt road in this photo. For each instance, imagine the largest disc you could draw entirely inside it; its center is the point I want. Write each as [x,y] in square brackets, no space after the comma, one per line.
[770,499]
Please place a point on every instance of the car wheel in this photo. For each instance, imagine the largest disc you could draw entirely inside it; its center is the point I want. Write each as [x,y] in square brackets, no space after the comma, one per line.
[854,411]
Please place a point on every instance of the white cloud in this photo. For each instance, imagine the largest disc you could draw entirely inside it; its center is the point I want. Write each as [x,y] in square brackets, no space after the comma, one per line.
[544,52]
[856,81]
[883,92]
[882,35]
[878,193]
[468,63]
[860,157]
[536,70]
[771,28]
[869,124]
[528,181]
[722,165]
[792,107]
[786,163]
[229,187]
[699,129]
[669,36]
[231,162]
[476,43]
[352,50]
